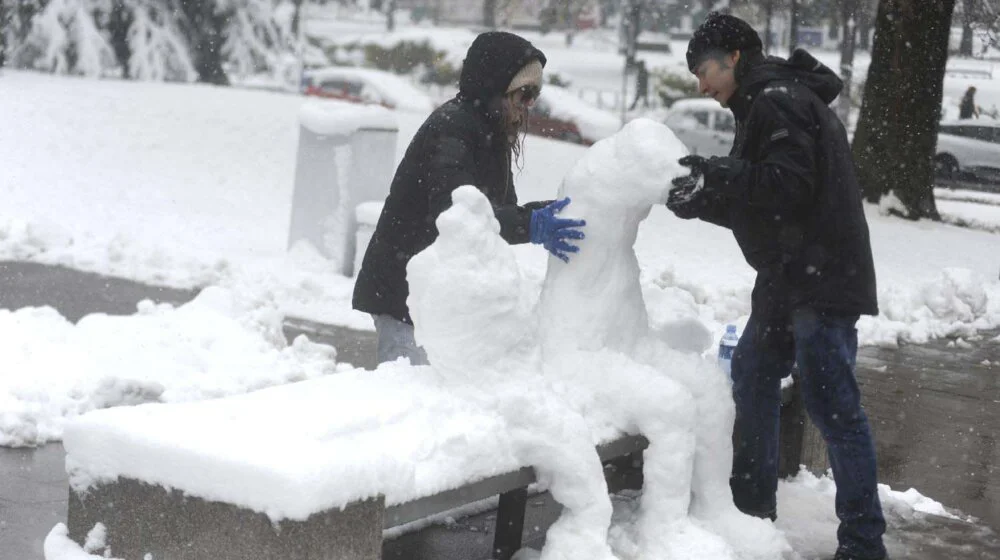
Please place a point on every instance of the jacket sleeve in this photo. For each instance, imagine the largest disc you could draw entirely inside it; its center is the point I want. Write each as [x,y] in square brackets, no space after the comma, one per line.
[783,180]
[450,165]
[714,209]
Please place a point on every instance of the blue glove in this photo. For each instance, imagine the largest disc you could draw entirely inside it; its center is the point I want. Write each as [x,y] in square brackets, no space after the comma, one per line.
[552,232]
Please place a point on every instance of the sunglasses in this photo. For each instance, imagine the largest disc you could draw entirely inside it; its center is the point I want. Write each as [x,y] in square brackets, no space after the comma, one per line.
[526,95]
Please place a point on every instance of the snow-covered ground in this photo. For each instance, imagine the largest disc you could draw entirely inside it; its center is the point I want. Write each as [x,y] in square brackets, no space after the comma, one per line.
[191,185]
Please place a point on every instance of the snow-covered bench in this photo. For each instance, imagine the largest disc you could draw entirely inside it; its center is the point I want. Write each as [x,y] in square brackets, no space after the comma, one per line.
[316,469]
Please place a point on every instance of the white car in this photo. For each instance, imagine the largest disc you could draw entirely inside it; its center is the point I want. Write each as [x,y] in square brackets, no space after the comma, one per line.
[704,126]
[969,149]
[367,86]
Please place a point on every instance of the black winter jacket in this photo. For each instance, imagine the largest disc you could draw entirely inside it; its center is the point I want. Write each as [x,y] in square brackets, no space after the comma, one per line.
[459,144]
[790,194]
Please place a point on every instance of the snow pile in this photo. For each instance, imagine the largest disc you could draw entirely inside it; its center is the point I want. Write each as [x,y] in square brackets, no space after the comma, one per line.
[222,343]
[807,515]
[958,302]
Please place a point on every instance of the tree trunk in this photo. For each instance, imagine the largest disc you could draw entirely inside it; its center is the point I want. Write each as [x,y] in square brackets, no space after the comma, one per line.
[390,15]
[793,25]
[769,14]
[490,13]
[897,135]
[296,17]
[5,19]
[119,22]
[848,13]
[965,47]
[865,19]
[205,29]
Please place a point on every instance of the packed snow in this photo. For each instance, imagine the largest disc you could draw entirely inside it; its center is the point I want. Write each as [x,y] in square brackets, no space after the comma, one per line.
[222,343]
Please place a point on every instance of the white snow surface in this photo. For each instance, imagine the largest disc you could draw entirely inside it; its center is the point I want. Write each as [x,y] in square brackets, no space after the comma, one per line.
[221,343]
[339,119]
[188,185]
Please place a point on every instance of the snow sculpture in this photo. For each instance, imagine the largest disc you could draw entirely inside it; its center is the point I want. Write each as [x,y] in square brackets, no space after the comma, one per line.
[584,366]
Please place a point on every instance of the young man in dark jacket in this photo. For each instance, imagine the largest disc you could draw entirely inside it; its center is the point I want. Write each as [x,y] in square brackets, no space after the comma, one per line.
[472,139]
[789,193]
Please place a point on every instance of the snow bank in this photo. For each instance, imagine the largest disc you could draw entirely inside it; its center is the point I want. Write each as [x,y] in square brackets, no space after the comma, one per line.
[808,516]
[222,343]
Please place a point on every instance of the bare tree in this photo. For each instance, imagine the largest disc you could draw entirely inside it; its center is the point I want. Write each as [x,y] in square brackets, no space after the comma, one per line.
[968,14]
[793,25]
[489,14]
[897,135]
[848,31]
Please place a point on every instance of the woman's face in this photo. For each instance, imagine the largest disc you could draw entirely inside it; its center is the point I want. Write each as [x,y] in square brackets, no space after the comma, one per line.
[516,106]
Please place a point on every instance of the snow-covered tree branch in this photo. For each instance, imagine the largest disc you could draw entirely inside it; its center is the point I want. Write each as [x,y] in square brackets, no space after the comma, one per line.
[173,40]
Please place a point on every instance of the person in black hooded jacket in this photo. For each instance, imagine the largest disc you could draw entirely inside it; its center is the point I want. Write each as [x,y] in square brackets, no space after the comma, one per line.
[789,193]
[470,140]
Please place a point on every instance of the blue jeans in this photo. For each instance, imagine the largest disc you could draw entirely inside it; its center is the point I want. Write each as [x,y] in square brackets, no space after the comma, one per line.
[825,347]
[395,340]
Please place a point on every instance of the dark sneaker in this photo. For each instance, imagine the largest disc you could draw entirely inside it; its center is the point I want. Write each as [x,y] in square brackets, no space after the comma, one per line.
[844,555]
[772,515]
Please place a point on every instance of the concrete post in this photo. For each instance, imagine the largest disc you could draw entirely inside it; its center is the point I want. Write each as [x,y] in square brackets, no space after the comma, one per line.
[146,519]
[346,157]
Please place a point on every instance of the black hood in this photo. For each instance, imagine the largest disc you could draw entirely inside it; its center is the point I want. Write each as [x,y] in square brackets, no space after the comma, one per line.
[801,67]
[491,63]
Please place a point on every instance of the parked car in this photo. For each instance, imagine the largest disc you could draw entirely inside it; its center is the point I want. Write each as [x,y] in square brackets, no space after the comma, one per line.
[704,126]
[367,86]
[561,114]
[969,150]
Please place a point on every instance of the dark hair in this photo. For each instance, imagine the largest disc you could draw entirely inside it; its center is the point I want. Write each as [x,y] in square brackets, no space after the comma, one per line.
[721,32]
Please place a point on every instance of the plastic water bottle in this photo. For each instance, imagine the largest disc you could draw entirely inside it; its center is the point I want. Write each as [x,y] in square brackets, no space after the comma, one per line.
[726,347]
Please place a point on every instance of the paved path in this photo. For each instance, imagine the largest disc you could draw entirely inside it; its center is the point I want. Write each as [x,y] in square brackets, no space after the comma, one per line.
[934,409]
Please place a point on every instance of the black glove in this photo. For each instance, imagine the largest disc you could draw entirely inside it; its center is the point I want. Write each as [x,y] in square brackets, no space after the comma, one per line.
[686,197]
[699,165]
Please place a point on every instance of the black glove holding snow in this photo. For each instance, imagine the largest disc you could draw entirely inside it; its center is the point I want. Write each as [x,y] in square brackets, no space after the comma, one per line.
[685,198]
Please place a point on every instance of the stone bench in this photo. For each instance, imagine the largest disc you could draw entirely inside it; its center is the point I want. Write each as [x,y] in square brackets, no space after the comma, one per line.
[143,518]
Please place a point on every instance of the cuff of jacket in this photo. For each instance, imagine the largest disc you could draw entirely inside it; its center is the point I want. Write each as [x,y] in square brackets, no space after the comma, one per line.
[723,174]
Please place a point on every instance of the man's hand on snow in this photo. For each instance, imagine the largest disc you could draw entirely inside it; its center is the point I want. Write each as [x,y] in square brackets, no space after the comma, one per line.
[684,198]
[552,232]
[699,165]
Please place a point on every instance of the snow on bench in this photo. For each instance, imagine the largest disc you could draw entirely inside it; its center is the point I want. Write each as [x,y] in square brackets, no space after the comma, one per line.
[289,456]
[518,380]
